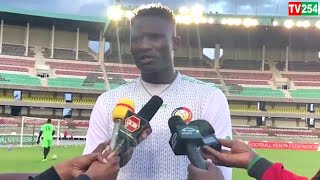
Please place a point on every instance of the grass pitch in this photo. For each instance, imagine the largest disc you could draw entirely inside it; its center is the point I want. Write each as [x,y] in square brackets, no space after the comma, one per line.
[28,159]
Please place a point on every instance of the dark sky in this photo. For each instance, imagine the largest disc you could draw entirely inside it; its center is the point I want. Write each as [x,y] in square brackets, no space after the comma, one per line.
[99,7]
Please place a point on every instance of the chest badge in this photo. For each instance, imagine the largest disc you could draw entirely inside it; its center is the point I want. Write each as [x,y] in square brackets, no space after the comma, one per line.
[184,113]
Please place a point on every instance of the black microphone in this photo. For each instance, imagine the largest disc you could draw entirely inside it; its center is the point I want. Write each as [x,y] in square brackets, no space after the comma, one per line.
[208,133]
[134,125]
[186,140]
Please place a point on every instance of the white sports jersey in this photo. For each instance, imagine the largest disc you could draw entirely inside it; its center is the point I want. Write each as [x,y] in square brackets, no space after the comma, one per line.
[153,159]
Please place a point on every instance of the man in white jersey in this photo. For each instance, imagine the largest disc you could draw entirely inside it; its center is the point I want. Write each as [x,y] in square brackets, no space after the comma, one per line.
[153,42]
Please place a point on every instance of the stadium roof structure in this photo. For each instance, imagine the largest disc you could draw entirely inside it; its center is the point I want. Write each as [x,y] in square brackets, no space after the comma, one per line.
[231,30]
[19,17]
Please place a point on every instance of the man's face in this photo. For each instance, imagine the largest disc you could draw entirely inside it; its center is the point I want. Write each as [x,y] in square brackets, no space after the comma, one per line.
[152,43]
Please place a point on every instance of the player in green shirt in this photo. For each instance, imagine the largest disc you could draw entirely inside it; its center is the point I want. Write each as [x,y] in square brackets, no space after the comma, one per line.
[47,131]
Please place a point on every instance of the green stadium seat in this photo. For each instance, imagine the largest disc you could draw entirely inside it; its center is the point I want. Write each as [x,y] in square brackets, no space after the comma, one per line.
[19,79]
[77,83]
[305,93]
[73,83]
[257,92]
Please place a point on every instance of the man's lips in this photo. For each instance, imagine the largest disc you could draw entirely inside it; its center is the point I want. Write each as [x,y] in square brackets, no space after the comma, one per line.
[146,60]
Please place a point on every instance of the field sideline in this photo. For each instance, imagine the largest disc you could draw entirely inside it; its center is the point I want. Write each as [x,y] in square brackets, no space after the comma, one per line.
[304,163]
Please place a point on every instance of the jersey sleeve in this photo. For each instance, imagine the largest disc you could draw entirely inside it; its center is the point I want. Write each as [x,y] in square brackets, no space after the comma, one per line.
[98,131]
[216,112]
[277,172]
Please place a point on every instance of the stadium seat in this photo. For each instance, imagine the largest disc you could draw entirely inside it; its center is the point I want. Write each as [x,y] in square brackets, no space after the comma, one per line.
[43,100]
[81,124]
[84,101]
[8,122]
[74,83]
[16,50]
[74,66]
[68,54]
[6,98]
[279,132]
[19,79]
[306,93]
[291,111]
[256,92]
[16,62]
[193,62]
[308,66]
[243,110]
[242,64]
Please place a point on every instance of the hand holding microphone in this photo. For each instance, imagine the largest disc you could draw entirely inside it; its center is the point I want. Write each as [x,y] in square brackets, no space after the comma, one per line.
[239,156]
[187,139]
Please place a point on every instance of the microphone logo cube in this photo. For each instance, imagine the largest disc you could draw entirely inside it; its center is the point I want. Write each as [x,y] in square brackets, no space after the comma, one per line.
[132,124]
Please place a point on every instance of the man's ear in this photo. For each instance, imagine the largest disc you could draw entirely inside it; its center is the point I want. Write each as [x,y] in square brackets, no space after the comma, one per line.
[176,42]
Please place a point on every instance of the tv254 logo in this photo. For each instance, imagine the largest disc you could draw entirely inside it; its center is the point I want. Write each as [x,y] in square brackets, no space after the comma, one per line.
[303,8]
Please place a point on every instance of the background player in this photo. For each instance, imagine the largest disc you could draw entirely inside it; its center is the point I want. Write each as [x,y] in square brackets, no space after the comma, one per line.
[47,131]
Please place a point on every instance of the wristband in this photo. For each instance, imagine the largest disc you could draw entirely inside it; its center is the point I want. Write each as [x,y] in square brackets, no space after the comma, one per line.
[253,162]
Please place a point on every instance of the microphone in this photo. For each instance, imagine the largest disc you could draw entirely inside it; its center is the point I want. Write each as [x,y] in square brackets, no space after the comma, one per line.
[134,128]
[186,140]
[119,114]
[208,134]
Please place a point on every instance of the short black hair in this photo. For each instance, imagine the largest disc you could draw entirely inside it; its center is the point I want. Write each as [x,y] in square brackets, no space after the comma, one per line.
[49,121]
[154,10]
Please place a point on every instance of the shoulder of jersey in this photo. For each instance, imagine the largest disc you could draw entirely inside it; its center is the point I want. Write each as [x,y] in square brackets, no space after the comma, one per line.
[199,84]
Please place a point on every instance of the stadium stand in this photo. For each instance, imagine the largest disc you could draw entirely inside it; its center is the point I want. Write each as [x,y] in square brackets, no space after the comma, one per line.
[84,101]
[178,61]
[73,66]
[16,50]
[8,122]
[34,122]
[279,132]
[43,100]
[67,54]
[242,64]
[306,93]
[192,63]
[240,78]
[75,83]
[19,79]
[81,124]
[12,61]
[255,91]
[302,81]
[309,66]
[6,98]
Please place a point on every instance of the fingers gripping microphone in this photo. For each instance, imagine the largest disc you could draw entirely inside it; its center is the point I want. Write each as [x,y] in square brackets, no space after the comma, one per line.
[118,115]
[186,140]
[135,126]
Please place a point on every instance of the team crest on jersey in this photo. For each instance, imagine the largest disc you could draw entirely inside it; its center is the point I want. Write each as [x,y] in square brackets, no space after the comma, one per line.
[184,113]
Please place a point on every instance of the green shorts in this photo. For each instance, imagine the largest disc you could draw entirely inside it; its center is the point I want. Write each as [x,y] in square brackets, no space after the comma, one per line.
[46,143]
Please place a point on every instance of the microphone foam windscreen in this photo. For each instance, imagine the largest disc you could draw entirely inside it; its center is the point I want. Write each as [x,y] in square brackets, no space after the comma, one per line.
[174,121]
[124,105]
[204,127]
[150,109]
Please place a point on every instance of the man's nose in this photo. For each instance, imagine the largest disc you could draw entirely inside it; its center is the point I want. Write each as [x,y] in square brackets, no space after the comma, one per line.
[145,43]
